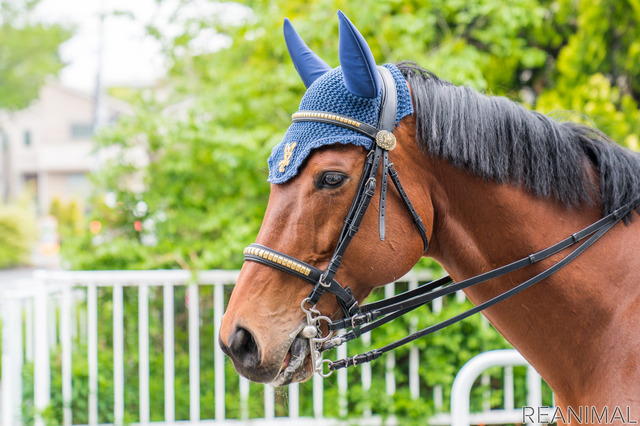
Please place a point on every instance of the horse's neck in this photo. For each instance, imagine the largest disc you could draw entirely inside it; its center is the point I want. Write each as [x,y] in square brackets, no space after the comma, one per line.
[561,324]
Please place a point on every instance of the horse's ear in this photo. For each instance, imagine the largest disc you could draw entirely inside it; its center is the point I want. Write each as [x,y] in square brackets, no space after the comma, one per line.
[307,63]
[358,66]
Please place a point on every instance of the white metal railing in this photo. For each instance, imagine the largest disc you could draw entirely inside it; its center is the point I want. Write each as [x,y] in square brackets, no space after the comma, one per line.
[507,358]
[45,312]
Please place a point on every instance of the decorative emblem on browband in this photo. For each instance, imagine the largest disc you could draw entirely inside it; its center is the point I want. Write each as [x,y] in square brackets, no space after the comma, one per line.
[288,152]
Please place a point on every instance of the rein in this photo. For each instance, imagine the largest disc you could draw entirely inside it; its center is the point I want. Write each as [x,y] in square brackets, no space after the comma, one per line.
[361,319]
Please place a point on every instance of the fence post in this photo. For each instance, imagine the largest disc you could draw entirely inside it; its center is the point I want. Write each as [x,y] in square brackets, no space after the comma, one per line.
[318,396]
[534,389]
[92,351]
[294,400]
[390,361]
[118,354]
[143,352]
[269,402]
[28,329]
[342,383]
[366,378]
[41,367]
[169,354]
[414,355]
[218,309]
[67,359]
[11,363]
[194,350]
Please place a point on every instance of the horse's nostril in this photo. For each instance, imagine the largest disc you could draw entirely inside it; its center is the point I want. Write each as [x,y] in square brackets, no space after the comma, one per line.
[243,347]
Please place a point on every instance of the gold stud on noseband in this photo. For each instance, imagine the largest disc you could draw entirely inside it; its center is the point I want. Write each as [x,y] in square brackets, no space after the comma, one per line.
[386,140]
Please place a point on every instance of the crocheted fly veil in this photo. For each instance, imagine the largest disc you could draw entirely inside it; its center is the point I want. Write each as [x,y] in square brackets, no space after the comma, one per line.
[352,90]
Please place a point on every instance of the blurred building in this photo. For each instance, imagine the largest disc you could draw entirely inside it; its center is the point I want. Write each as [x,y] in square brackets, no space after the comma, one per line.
[48,146]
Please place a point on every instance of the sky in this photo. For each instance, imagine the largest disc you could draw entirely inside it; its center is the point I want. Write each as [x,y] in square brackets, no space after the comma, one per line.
[130,56]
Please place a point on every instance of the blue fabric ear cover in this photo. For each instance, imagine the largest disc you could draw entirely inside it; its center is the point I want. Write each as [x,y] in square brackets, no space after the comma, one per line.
[329,93]
[360,73]
[352,90]
[309,65]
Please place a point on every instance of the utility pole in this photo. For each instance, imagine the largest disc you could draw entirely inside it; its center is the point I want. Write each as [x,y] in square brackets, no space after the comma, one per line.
[100,111]
[100,108]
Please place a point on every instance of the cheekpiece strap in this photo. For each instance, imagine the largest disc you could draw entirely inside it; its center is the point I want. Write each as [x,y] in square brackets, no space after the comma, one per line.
[389,101]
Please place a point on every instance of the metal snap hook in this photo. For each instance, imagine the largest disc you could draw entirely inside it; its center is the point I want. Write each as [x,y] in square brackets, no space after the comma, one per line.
[304,301]
[322,318]
[316,321]
[320,371]
[321,339]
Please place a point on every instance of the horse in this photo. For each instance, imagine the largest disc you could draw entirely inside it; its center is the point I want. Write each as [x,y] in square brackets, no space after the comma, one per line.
[488,181]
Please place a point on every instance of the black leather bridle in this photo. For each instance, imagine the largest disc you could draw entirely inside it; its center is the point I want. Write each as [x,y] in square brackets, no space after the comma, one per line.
[360,319]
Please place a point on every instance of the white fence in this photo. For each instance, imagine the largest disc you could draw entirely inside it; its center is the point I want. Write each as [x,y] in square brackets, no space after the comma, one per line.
[56,310]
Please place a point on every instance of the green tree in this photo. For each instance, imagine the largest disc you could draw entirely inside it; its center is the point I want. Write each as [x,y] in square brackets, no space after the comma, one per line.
[28,52]
[596,73]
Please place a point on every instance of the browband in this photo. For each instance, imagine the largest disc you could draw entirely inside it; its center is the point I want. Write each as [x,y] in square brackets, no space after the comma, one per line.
[386,120]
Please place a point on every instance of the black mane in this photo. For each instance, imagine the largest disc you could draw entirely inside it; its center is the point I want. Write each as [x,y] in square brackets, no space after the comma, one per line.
[498,139]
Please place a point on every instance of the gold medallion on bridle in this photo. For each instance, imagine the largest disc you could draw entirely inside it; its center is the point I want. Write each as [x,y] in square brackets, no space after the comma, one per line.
[385,140]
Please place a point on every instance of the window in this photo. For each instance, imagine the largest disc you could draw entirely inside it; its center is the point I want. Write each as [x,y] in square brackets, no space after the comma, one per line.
[81,130]
[27,138]
[78,185]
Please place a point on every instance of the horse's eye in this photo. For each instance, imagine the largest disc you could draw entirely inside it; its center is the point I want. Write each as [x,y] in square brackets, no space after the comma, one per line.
[331,180]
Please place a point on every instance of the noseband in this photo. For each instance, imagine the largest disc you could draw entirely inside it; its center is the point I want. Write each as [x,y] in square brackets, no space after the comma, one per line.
[361,319]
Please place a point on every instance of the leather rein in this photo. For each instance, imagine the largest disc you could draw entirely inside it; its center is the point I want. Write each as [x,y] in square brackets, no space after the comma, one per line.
[361,319]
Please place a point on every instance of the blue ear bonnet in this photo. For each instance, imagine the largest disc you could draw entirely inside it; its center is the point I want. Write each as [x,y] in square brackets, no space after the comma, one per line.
[328,93]
[353,90]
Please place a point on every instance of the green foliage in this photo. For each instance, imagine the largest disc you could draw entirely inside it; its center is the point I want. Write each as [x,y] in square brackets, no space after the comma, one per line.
[69,216]
[17,233]
[28,52]
[597,71]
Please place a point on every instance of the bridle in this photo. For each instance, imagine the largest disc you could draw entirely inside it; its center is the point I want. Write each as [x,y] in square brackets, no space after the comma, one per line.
[361,319]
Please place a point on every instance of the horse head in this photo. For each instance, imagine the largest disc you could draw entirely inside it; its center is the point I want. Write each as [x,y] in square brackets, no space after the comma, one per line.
[315,173]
